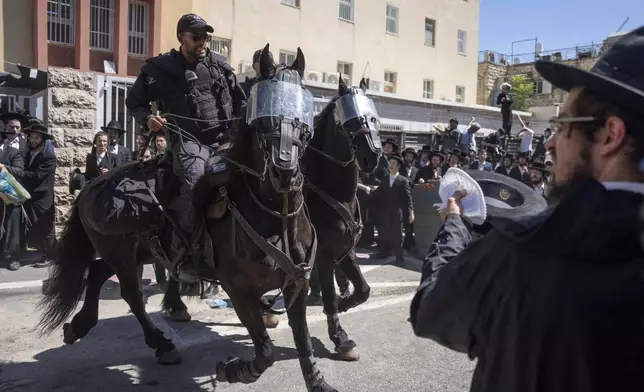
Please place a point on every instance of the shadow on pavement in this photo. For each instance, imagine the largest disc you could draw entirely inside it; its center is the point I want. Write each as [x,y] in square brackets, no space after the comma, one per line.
[113,356]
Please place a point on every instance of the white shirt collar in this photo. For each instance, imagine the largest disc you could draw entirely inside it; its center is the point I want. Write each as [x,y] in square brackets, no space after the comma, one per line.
[635,187]
[392,179]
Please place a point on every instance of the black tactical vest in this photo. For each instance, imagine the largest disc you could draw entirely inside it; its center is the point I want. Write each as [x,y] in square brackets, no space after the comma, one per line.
[207,98]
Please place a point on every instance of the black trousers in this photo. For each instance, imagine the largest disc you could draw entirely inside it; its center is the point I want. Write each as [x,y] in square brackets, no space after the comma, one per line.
[367,237]
[10,242]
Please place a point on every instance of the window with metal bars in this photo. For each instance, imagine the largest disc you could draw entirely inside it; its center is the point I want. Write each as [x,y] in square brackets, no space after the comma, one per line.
[221,46]
[392,19]
[287,58]
[346,10]
[430,32]
[101,24]
[61,21]
[428,89]
[460,94]
[138,28]
[461,46]
[390,81]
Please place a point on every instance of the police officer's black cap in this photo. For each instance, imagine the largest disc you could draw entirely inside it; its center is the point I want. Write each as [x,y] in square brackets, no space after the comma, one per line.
[193,23]
[258,54]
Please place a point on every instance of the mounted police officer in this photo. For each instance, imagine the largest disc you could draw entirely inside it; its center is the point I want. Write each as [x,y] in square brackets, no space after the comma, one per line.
[199,90]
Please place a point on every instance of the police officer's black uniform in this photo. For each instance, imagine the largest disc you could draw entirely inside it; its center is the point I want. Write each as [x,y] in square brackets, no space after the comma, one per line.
[214,97]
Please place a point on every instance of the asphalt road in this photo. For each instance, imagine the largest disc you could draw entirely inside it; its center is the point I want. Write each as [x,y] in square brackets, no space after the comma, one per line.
[114,357]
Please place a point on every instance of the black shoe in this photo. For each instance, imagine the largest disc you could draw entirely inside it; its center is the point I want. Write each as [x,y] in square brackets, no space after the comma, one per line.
[43,264]
[14,266]
[314,299]
[400,261]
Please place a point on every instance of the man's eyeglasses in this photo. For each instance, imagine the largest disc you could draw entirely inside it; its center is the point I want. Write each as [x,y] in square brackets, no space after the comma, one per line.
[557,123]
[199,37]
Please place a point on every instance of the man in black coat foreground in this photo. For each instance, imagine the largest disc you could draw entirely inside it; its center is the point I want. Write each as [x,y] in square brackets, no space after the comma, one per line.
[38,180]
[554,302]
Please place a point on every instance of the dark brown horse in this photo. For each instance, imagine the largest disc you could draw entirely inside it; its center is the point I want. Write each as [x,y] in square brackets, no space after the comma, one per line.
[263,241]
[346,140]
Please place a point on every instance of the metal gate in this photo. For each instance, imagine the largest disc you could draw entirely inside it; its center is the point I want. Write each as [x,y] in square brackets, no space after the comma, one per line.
[111,94]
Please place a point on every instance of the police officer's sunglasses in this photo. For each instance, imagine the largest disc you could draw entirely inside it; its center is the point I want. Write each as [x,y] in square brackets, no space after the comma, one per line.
[199,37]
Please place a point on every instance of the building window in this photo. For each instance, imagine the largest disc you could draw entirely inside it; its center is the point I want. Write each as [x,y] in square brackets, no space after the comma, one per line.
[287,58]
[542,87]
[462,42]
[61,21]
[390,81]
[460,94]
[392,19]
[346,69]
[430,32]
[292,3]
[137,32]
[101,24]
[428,89]
[346,10]
[221,46]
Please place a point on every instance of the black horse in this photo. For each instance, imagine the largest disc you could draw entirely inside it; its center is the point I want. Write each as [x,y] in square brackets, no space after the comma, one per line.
[264,237]
[346,140]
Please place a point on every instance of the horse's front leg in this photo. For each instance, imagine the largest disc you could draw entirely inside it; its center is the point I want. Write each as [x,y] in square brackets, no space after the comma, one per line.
[234,370]
[345,347]
[166,352]
[297,321]
[361,288]
[173,304]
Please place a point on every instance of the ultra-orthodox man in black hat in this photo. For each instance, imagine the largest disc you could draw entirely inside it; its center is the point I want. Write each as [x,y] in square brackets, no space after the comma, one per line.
[552,301]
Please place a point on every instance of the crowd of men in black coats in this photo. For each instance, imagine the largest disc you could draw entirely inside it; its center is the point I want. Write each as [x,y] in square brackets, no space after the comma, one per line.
[27,153]
[389,207]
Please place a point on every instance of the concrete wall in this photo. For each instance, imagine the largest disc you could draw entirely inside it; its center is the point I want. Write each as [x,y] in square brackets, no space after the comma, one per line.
[71,117]
[325,39]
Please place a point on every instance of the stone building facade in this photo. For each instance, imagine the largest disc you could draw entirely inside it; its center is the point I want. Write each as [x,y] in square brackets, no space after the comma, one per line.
[492,73]
[71,117]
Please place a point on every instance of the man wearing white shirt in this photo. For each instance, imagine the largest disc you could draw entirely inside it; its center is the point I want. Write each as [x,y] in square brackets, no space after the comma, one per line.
[526,135]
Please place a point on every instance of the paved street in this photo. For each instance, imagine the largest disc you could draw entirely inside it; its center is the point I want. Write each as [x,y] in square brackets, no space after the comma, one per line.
[114,356]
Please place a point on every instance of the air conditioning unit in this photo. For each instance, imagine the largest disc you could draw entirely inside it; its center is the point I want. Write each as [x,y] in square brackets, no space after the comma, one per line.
[332,77]
[314,76]
[374,85]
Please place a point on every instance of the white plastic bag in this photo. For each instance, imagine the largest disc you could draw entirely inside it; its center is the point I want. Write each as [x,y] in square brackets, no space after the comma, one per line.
[472,205]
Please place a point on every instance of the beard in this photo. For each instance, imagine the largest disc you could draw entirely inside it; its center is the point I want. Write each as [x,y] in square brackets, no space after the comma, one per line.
[580,171]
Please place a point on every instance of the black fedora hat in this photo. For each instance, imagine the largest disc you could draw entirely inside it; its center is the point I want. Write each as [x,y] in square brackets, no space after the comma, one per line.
[24,121]
[434,153]
[39,129]
[616,76]
[410,150]
[396,157]
[539,166]
[425,148]
[391,141]
[507,198]
[115,125]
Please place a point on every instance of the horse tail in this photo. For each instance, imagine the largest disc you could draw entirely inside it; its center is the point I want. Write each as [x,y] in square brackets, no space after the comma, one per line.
[66,282]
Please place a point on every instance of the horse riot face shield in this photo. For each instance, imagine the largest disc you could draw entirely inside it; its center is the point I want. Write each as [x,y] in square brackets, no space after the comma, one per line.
[357,105]
[290,109]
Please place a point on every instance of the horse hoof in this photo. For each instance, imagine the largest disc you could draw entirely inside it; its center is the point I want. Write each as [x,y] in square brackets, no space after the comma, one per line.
[69,337]
[169,357]
[322,386]
[271,320]
[348,351]
[180,315]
